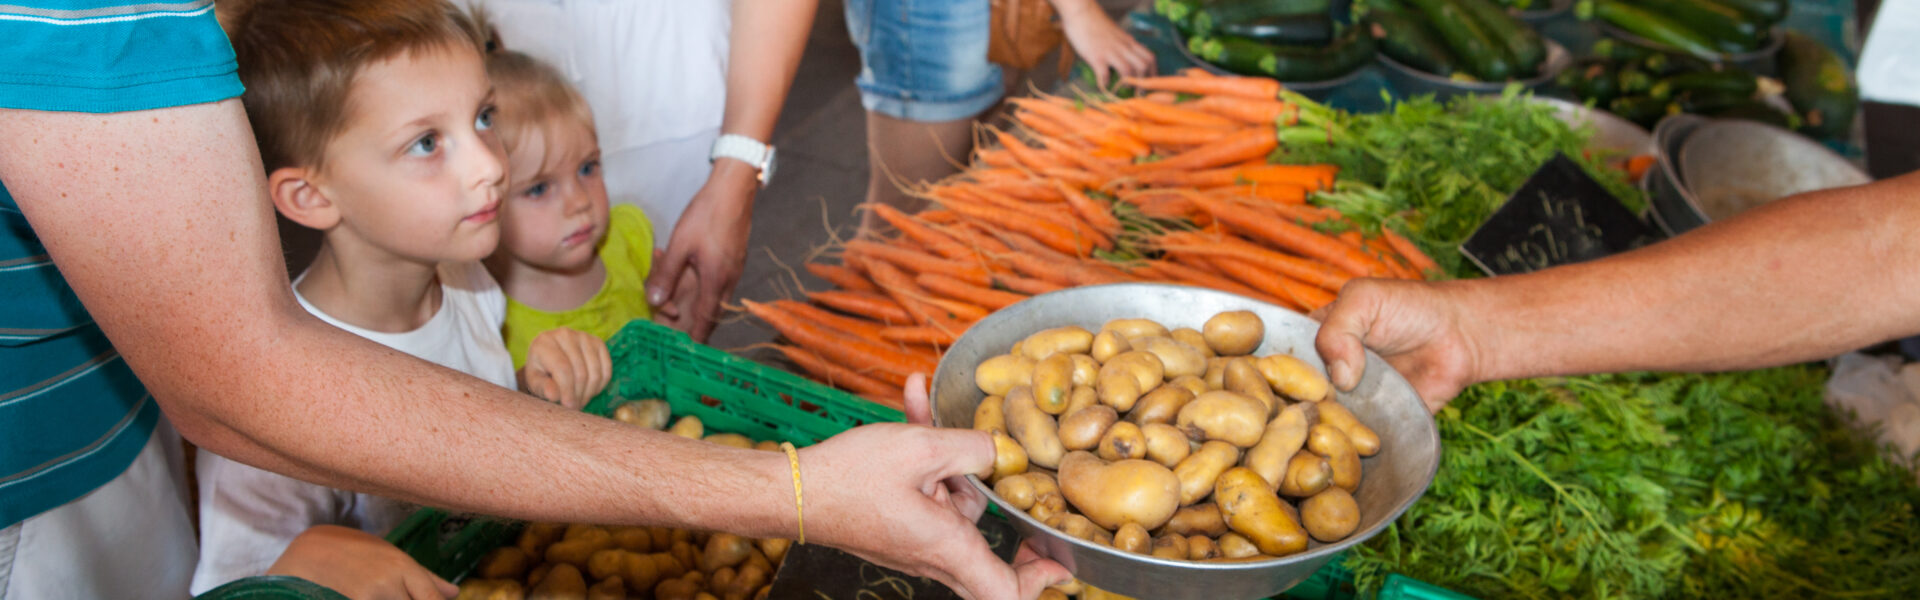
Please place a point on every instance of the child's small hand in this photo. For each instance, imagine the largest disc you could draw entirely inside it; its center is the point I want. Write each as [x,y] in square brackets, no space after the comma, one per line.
[359,565]
[566,366]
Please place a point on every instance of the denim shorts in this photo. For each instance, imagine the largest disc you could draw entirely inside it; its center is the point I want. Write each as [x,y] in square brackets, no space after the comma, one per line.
[924,60]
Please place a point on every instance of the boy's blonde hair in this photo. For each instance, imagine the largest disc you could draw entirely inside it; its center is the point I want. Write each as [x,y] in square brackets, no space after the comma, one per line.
[531,94]
[299,58]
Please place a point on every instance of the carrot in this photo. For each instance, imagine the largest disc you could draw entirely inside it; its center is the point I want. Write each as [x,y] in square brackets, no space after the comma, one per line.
[1162,97]
[1092,211]
[1196,72]
[994,157]
[940,243]
[1076,177]
[1178,135]
[841,277]
[867,304]
[1042,125]
[1248,110]
[977,237]
[1293,238]
[1171,114]
[998,174]
[1012,216]
[1310,215]
[1181,273]
[1026,285]
[965,312]
[919,262]
[919,335]
[1305,176]
[1029,190]
[1274,284]
[838,376]
[1027,156]
[1080,158]
[1420,262]
[857,327]
[843,349]
[1259,88]
[950,287]
[917,301]
[1117,144]
[1160,203]
[1637,166]
[1232,148]
[937,217]
[1070,120]
[1278,193]
[1314,273]
[1398,264]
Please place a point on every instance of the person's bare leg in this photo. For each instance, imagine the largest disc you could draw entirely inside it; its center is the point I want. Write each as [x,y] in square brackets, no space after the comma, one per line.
[904,153]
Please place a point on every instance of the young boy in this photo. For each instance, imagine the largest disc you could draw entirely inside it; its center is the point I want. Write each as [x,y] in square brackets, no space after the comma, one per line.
[374,121]
[563,260]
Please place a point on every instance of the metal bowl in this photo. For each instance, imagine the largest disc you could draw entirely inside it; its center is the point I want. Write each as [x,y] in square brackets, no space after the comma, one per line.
[1610,132]
[1758,61]
[1395,478]
[1408,81]
[1731,165]
[1672,207]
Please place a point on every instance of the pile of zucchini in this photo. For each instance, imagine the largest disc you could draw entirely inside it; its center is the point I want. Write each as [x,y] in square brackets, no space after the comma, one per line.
[1704,28]
[1288,40]
[1470,40]
[1642,86]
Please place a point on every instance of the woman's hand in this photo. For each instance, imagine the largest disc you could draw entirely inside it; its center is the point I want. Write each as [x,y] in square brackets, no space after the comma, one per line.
[1101,42]
[359,565]
[566,367]
[894,494]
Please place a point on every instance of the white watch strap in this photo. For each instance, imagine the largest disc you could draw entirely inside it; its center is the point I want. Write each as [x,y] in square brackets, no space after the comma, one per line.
[742,148]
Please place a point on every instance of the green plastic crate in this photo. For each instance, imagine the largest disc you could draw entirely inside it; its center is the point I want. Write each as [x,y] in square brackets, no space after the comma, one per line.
[271,587]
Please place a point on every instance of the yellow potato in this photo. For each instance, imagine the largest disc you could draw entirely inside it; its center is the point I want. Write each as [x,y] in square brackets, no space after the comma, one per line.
[606,563]
[1176,357]
[1052,379]
[1328,441]
[1071,339]
[640,571]
[668,566]
[1108,344]
[1192,384]
[1167,546]
[662,538]
[1081,527]
[1045,485]
[1253,511]
[722,580]
[1122,441]
[1200,547]
[1285,435]
[1225,416]
[676,589]
[1114,493]
[1165,444]
[582,530]
[731,439]
[688,427]
[506,562]
[1082,429]
[535,538]
[1307,474]
[1082,396]
[1047,508]
[767,446]
[1133,328]
[1072,587]
[749,578]
[1331,515]
[1131,537]
[1009,457]
[1161,405]
[633,539]
[576,551]
[1234,545]
[1145,367]
[990,415]
[1199,470]
[1200,519]
[1294,377]
[725,550]
[774,548]
[1243,377]
[997,375]
[685,553]
[1094,593]
[1216,375]
[1052,594]
[562,583]
[1016,491]
[612,588]
[475,588]
[1036,431]
[650,413]
[1086,370]
[1192,337]
[1234,333]
[1119,390]
[538,573]
[1365,441]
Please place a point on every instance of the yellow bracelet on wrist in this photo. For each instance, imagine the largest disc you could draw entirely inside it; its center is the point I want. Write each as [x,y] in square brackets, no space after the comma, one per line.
[799,504]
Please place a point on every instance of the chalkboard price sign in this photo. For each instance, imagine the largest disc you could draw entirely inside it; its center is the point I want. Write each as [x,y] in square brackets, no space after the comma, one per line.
[1560,216]
[816,572]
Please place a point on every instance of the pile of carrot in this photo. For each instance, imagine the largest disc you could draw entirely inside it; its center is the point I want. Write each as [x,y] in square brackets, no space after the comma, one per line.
[1173,186]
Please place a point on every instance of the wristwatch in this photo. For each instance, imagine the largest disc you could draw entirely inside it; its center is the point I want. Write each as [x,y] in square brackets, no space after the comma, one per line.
[747,150]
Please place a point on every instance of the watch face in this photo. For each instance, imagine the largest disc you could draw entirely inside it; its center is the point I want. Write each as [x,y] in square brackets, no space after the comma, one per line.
[767,173]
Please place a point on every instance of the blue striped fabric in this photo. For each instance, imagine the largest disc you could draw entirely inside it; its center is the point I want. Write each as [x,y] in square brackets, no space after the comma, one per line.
[72,414]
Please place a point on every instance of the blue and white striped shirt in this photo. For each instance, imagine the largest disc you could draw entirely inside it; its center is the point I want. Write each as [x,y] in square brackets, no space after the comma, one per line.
[72,414]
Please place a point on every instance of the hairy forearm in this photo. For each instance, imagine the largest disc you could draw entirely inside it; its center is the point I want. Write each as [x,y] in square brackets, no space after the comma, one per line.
[1800,279]
[159,221]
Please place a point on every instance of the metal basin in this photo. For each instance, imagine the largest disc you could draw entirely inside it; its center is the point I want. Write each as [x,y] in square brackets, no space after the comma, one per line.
[1409,81]
[1393,480]
[1672,207]
[1732,165]
[1610,132]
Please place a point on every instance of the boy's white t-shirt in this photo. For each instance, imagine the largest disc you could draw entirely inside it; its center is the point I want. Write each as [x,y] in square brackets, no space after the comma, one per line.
[249,515]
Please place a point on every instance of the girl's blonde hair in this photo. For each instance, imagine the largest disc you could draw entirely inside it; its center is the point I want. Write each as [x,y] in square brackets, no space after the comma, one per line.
[530,94]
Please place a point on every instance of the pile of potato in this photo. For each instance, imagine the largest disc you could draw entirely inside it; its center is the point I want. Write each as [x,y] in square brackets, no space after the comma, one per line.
[591,562]
[1177,444]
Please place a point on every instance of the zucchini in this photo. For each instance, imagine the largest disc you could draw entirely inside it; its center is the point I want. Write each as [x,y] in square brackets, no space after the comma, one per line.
[1709,100]
[1180,12]
[1353,49]
[1618,50]
[1754,110]
[1819,86]
[1663,64]
[1405,39]
[1591,80]
[1729,30]
[1239,55]
[1523,45]
[1654,27]
[1482,57]
[1633,81]
[1310,30]
[1221,12]
[1730,81]
[1764,12]
[1643,110]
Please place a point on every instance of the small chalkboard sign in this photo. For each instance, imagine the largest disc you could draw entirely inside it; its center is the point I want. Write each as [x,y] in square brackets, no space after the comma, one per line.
[816,572]
[1560,216]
